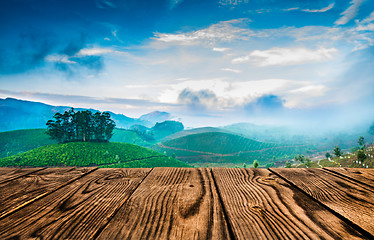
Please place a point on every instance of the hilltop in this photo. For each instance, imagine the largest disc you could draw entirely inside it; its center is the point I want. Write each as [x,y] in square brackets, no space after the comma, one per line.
[83,154]
[224,149]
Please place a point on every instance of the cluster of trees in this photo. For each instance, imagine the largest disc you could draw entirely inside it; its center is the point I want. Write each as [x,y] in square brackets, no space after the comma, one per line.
[81,126]
[302,159]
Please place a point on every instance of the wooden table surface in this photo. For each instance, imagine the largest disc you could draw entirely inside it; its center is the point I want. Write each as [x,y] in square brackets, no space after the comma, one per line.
[186,203]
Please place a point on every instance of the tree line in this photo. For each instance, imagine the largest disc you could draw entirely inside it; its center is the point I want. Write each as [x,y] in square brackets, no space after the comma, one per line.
[81,126]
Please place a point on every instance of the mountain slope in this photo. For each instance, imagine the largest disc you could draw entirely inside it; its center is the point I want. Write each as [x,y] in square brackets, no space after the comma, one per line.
[91,154]
[194,131]
[155,117]
[19,114]
[14,142]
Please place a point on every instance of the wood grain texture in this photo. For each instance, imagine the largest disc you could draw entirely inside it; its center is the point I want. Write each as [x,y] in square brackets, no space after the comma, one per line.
[171,203]
[343,196]
[9,174]
[76,211]
[260,205]
[28,188]
[363,175]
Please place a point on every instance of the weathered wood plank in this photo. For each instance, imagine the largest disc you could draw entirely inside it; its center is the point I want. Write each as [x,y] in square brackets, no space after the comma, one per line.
[260,205]
[76,211]
[363,175]
[345,197]
[26,189]
[9,174]
[171,203]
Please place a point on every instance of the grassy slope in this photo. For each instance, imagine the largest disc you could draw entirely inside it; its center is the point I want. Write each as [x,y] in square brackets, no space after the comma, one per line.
[14,142]
[224,148]
[128,136]
[91,154]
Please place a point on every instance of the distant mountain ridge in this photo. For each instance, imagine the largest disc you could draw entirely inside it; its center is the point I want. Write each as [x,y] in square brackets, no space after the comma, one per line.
[18,114]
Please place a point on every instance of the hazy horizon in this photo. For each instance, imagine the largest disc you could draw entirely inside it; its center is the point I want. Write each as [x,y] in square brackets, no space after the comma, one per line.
[303,64]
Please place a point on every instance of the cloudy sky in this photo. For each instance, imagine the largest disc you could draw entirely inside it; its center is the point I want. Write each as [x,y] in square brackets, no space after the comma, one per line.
[208,62]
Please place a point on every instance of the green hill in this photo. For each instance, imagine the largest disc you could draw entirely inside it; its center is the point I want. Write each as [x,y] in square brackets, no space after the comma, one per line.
[91,154]
[130,136]
[194,131]
[224,149]
[14,142]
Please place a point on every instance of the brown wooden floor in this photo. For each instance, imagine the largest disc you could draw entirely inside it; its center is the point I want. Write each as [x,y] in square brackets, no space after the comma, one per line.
[186,203]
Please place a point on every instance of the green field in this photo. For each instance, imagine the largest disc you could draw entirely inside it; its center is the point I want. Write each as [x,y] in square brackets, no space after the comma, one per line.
[14,142]
[129,136]
[212,148]
[91,154]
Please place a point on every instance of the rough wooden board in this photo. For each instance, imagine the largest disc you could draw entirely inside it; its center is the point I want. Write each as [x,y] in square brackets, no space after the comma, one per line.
[9,174]
[76,211]
[341,195]
[26,189]
[363,175]
[260,205]
[171,203]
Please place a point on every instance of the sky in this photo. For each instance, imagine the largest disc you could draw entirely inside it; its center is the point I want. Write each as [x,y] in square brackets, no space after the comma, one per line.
[207,62]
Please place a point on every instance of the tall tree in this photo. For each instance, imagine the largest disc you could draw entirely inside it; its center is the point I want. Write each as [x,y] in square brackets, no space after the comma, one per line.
[337,151]
[361,142]
[255,164]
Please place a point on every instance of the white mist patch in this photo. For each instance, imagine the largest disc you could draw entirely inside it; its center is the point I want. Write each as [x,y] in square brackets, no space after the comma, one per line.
[286,56]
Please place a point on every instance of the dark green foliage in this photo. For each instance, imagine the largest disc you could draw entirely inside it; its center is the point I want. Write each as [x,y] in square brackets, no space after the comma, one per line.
[19,141]
[255,164]
[337,151]
[300,158]
[82,154]
[145,133]
[361,142]
[81,126]
[308,162]
[328,155]
[361,155]
[288,164]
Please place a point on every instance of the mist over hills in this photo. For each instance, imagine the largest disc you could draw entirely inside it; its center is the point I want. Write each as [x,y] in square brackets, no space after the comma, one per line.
[18,114]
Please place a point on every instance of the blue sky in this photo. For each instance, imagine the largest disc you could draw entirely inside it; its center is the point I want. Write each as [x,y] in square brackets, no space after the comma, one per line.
[210,62]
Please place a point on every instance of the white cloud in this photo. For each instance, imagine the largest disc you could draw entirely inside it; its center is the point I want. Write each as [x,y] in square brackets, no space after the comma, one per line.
[350,12]
[94,51]
[241,59]
[232,2]
[224,31]
[220,49]
[286,56]
[228,93]
[231,70]
[291,9]
[59,58]
[325,9]
[315,90]
[369,19]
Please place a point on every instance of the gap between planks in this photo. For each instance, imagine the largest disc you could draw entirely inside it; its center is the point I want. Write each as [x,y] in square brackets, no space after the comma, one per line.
[344,219]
